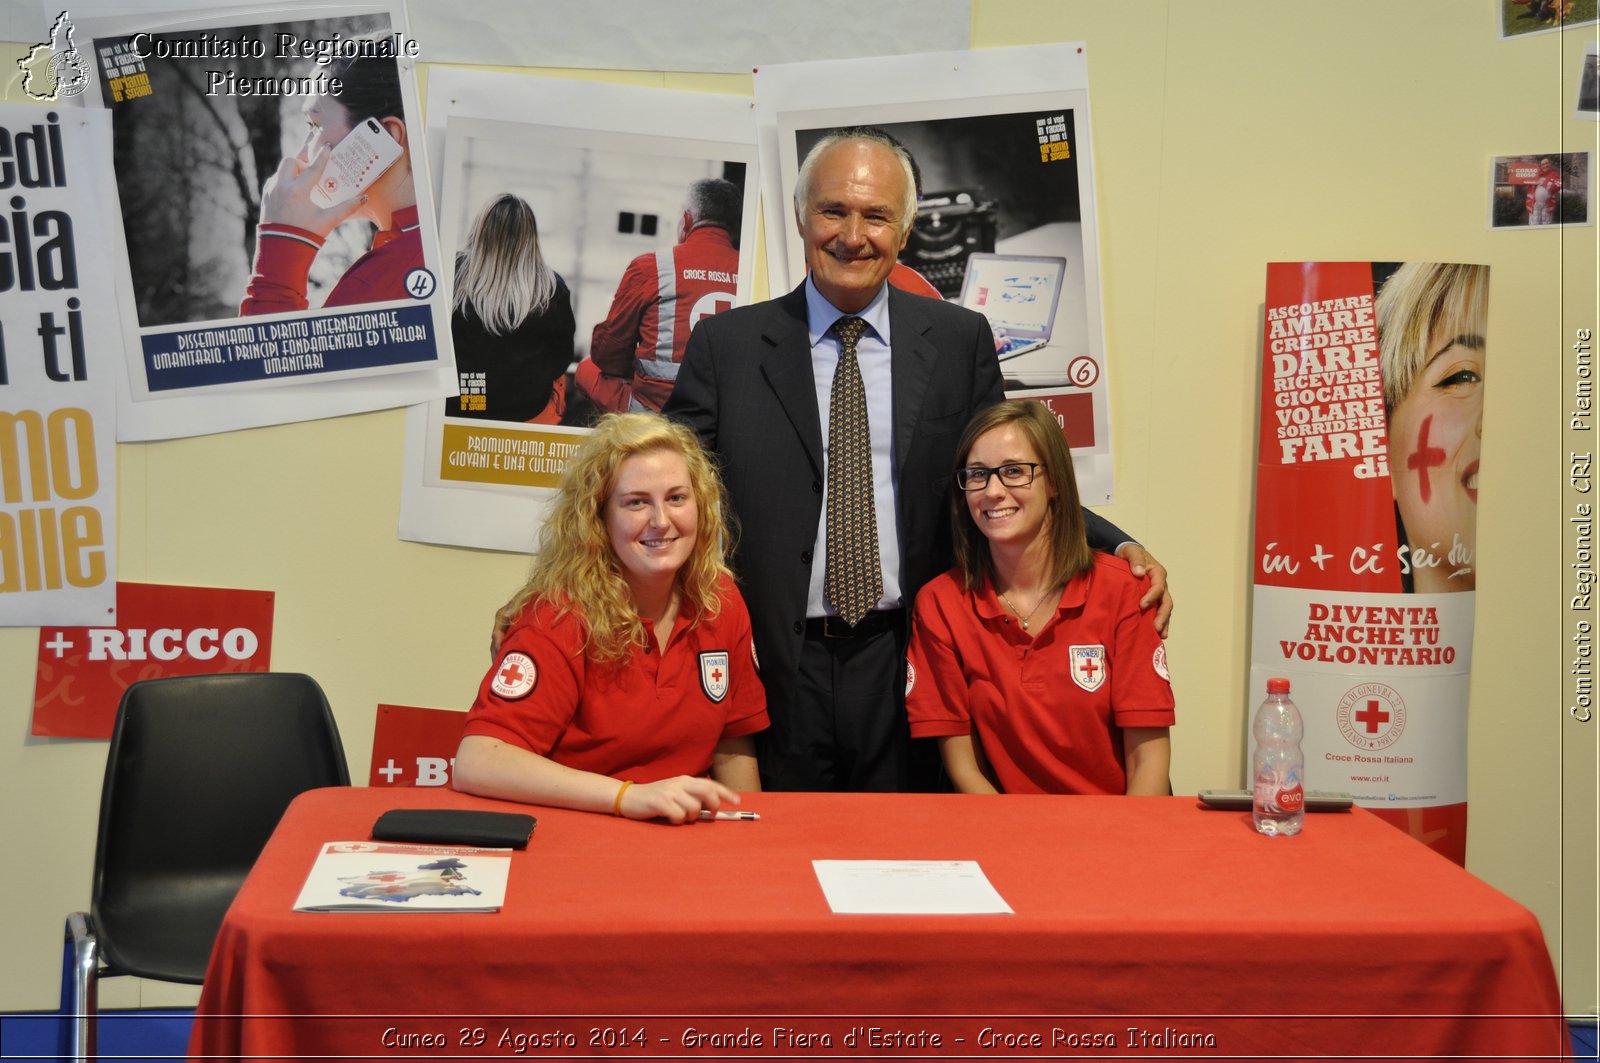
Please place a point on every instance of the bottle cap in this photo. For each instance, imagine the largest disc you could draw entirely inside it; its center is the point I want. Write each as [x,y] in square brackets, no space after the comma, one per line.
[1277,686]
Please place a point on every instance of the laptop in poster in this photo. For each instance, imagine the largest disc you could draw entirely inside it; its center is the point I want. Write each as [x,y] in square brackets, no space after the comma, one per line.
[1019,294]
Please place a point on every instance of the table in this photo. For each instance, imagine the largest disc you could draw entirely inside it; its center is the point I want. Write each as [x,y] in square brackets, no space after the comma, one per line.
[1165,929]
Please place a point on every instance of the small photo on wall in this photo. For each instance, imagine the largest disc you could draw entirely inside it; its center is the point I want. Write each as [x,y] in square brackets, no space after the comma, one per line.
[1540,190]
[1521,17]
[1588,105]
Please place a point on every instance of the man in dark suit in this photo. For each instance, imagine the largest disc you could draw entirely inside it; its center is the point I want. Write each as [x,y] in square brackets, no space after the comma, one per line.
[759,385]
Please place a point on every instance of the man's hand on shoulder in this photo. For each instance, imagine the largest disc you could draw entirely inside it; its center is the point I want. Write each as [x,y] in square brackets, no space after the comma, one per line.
[1143,564]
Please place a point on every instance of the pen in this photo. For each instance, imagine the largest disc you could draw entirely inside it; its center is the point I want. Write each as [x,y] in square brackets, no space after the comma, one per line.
[708,814]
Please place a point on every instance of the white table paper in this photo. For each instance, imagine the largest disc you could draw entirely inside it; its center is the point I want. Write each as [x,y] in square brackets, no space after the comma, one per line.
[908,887]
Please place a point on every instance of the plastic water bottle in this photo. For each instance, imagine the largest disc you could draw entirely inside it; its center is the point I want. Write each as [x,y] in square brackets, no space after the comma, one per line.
[1279,765]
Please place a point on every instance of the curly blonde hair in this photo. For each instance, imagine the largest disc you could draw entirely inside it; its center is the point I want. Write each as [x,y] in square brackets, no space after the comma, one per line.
[576,570]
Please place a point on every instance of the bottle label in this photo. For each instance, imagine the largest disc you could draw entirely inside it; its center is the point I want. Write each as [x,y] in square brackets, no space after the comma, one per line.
[1292,799]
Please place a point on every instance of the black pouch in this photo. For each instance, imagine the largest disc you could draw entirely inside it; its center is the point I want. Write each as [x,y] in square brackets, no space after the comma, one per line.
[450,826]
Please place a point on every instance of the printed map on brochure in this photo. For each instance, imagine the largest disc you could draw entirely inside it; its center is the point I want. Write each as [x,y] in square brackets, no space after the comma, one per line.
[390,877]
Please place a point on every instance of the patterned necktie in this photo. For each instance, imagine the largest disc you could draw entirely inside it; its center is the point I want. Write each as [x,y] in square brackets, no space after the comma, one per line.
[853,581]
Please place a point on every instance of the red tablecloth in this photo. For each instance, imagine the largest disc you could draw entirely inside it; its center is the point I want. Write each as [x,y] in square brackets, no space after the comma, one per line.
[1143,928]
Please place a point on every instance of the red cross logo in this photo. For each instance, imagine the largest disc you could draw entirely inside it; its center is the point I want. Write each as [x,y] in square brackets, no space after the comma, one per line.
[1088,666]
[1373,715]
[516,676]
[1425,457]
[714,674]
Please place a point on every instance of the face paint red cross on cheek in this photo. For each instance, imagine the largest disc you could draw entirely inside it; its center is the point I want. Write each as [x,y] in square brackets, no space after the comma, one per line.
[1425,458]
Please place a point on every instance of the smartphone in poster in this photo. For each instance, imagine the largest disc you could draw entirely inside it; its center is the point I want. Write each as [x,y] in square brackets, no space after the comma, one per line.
[583,258]
[1366,526]
[1006,222]
[59,347]
[281,264]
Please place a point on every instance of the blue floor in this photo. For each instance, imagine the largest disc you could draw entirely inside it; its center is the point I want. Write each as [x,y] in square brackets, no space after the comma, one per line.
[143,1035]
[1583,1046]
[155,1035]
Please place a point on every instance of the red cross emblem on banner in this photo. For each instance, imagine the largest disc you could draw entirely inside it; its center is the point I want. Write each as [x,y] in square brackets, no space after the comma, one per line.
[1089,667]
[1373,716]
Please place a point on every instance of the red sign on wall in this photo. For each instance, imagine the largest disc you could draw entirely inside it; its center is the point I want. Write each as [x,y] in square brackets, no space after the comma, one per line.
[1074,411]
[160,631]
[414,747]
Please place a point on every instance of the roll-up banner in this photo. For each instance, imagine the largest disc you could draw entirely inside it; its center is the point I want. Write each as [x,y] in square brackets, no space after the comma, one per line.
[1366,516]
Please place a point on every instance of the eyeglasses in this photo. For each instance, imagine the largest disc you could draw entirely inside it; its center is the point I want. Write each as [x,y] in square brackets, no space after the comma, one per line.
[1015,474]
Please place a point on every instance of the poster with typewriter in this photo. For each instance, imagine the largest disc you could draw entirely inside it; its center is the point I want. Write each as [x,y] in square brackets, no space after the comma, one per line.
[1366,527]
[277,262]
[1006,221]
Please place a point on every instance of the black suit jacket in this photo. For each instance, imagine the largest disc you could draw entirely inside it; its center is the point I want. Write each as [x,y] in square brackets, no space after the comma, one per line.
[746,386]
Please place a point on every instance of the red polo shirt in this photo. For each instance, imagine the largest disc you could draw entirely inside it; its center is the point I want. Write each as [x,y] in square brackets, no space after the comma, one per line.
[1048,712]
[651,717]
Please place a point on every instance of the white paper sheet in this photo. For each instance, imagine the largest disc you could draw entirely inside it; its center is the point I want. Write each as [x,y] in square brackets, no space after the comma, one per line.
[908,887]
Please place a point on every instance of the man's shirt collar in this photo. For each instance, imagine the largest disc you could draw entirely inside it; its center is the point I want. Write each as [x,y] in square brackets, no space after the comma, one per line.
[821,314]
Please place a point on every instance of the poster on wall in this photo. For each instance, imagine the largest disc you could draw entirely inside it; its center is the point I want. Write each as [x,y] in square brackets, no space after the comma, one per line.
[588,238]
[276,237]
[730,36]
[1006,222]
[1587,104]
[1540,190]
[1518,18]
[59,348]
[160,631]
[413,746]
[1366,518]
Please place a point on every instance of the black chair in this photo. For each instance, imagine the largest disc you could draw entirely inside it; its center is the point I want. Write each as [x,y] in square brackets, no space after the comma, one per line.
[199,771]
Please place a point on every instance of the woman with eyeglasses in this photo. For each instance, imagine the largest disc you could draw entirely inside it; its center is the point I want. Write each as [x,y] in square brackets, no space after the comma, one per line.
[1031,663]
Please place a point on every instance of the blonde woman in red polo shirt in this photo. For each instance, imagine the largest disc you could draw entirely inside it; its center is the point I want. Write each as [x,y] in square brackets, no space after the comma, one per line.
[1030,662]
[625,682]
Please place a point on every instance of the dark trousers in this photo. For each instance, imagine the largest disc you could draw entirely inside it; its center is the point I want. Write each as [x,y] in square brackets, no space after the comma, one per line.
[845,715]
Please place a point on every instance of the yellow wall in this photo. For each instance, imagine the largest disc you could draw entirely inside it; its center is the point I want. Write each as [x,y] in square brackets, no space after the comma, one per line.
[1228,134]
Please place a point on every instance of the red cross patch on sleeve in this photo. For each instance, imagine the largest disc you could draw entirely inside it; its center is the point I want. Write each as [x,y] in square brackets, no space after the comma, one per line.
[1088,666]
[515,676]
[714,674]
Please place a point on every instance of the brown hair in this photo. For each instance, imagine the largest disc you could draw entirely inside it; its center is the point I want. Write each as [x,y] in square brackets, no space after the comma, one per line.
[1069,545]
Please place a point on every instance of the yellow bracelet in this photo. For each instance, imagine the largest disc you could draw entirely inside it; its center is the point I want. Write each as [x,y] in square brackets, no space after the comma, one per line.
[616,807]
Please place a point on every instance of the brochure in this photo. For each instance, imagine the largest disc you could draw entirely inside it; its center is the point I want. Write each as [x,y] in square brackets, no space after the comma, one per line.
[390,877]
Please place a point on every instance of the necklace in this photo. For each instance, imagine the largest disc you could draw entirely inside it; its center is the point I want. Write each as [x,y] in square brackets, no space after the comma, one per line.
[1038,602]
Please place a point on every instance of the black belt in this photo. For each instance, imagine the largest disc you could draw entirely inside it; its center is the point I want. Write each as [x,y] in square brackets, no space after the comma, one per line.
[875,622]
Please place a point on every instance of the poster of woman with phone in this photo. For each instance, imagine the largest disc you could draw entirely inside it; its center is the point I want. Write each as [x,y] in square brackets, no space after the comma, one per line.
[269,164]
[353,163]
